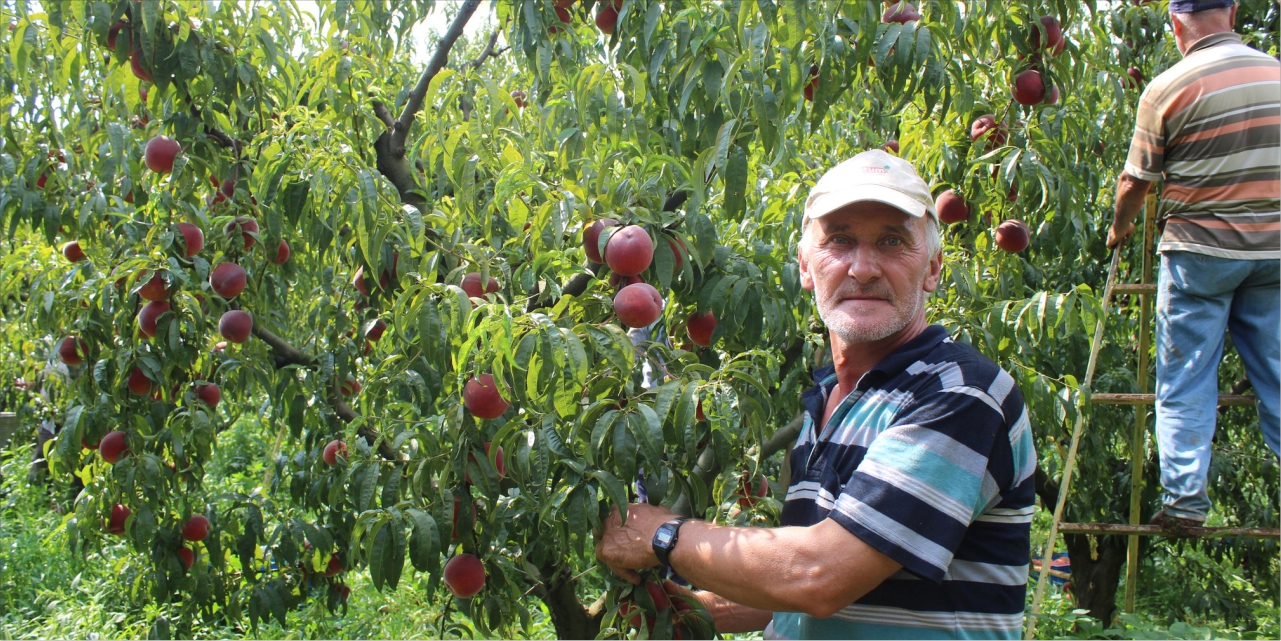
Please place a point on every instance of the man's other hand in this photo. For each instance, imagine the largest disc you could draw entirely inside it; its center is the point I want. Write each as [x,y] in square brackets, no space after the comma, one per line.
[627,548]
[1119,233]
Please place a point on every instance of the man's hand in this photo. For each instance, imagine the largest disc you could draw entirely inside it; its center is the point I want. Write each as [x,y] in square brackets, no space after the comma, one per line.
[1119,233]
[627,548]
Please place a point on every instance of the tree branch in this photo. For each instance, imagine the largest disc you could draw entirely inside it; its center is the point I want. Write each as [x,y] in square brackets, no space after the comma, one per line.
[287,354]
[437,62]
[384,114]
[489,52]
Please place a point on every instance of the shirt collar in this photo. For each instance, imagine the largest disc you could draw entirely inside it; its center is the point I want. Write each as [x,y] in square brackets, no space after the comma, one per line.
[1213,39]
[898,360]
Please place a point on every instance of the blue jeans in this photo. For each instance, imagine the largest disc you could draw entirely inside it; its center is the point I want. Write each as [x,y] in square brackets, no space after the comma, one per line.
[1199,297]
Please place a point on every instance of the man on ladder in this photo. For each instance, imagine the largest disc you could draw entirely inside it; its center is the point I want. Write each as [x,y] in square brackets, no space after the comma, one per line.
[1210,127]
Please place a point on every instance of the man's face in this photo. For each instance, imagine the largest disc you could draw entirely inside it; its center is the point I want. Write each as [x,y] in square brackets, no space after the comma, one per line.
[869,268]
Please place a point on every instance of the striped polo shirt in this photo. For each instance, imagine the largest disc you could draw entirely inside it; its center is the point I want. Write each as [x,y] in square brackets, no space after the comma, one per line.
[929,460]
[1210,127]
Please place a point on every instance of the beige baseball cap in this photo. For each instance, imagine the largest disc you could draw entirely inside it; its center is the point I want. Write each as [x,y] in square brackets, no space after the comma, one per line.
[872,175]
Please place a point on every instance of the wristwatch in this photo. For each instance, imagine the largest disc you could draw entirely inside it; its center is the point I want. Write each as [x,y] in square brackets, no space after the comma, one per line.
[665,539]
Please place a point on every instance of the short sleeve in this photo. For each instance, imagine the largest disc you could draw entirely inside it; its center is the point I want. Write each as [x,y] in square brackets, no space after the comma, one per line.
[1146,160]
[925,479]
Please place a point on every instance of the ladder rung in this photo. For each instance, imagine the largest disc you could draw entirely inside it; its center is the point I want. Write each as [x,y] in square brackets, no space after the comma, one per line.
[1156,530]
[1149,399]
[1134,288]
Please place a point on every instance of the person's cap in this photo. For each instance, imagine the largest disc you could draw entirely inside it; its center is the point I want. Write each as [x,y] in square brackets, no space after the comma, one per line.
[1193,6]
[871,176]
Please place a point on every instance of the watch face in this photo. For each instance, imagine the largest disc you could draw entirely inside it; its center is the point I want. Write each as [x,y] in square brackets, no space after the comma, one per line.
[665,536]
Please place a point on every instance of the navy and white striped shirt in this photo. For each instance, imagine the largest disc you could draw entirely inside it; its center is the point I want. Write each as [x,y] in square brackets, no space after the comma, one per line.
[930,461]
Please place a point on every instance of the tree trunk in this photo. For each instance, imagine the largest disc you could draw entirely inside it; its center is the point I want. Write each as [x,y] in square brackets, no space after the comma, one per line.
[1096,572]
[571,619]
[1096,560]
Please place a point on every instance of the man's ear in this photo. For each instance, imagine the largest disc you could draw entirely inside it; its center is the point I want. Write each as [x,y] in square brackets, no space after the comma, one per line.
[807,279]
[935,272]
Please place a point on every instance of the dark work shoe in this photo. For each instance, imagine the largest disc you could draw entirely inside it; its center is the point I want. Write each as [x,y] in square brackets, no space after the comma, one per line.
[1177,526]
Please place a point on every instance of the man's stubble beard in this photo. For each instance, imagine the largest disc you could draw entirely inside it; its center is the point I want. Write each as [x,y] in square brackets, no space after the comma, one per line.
[855,330]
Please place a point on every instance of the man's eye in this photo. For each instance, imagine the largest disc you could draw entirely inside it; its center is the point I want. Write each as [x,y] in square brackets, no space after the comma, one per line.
[894,241]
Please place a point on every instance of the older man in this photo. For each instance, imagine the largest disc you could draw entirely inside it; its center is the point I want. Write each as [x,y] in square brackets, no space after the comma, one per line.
[910,502]
[1209,128]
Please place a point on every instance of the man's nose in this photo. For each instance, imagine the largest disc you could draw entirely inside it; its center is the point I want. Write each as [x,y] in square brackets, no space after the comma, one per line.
[864,265]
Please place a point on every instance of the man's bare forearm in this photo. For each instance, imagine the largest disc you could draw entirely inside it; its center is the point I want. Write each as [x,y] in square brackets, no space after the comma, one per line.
[1130,192]
[816,570]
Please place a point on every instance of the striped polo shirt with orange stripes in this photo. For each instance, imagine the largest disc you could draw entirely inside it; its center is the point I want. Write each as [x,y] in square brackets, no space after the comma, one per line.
[1210,127]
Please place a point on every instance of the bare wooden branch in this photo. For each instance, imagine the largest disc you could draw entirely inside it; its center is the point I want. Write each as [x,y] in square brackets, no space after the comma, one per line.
[437,62]
[1156,530]
[287,354]
[384,114]
[488,53]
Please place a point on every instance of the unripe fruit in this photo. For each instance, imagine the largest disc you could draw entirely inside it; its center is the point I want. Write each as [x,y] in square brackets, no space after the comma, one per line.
[375,330]
[116,524]
[1054,41]
[139,384]
[901,12]
[464,575]
[618,280]
[1136,78]
[591,238]
[282,253]
[236,325]
[606,19]
[748,498]
[471,285]
[139,69]
[700,328]
[155,289]
[73,252]
[113,447]
[1013,236]
[209,394]
[196,529]
[334,567]
[500,465]
[72,350]
[482,397]
[349,387]
[638,305]
[629,251]
[333,450]
[246,226]
[1029,88]
[114,32]
[160,153]
[952,208]
[658,595]
[149,315]
[187,557]
[986,125]
[193,239]
[228,279]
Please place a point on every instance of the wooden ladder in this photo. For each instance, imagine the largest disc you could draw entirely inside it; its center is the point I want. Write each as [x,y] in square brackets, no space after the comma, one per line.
[1146,290]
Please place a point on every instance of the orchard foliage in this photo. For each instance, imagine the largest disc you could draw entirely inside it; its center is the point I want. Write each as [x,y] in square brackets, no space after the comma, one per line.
[702,124]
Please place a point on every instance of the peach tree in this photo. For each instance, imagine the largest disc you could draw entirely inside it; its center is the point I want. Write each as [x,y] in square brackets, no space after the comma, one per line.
[480,290]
